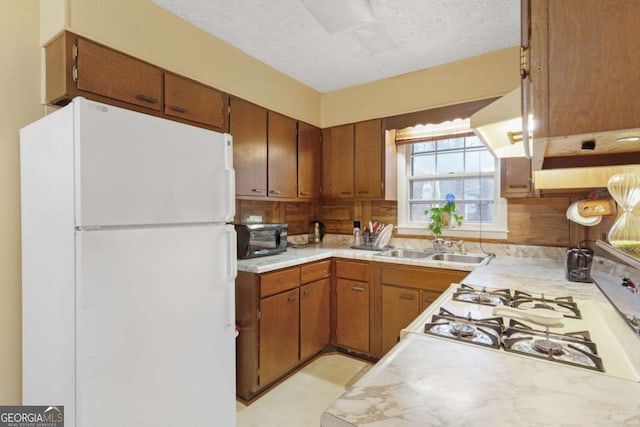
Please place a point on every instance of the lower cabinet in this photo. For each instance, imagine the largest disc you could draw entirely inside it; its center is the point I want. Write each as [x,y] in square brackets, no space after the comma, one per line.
[399,307]
[406,292]
[314,317]
[279,329]
[283,318]
[353,306]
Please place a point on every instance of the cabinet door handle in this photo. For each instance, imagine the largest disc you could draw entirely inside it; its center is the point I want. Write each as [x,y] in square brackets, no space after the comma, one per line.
[363,192]
[275,192]
[519,186]
[178,109]
[293,297]
[258,190]
[358,288]
[147,98]
[429,300]
[307,292]
[345,193]
[304,193]
[407,297]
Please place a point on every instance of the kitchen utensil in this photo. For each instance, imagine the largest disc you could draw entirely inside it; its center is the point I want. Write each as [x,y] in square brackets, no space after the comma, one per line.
[573,214]
[596,207]
[541,316]
[384,237]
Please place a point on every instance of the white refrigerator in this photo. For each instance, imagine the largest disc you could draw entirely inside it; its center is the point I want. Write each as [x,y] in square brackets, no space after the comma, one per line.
[128,269]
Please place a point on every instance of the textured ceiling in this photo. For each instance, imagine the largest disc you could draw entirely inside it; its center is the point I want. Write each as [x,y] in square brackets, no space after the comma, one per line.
[411,34]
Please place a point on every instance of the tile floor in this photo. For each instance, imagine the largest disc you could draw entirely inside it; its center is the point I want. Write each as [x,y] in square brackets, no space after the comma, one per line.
[300,399]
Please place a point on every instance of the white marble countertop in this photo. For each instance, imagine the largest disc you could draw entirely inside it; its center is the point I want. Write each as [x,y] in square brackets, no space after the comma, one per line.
[295,256]
[425,381]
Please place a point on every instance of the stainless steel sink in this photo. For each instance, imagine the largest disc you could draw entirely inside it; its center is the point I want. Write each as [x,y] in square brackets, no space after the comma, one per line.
[405,253]
[468,259]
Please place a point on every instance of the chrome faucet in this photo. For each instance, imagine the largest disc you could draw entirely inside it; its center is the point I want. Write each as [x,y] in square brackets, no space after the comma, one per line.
[439,244]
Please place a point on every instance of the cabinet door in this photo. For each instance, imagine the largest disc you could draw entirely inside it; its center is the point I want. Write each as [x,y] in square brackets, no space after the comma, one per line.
[352,314]
[249,131]
[314,317]
[515,177]
[400,306]
[106,72]
[584,74]
[309,161]
[337,162]
[279,328]
[283,156]
[427,298]
[190,100]
[368,159]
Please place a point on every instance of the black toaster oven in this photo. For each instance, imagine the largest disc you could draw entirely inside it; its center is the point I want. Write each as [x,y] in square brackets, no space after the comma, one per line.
[256,240]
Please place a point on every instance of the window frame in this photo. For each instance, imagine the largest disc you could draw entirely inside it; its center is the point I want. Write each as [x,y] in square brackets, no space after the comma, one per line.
[497,230]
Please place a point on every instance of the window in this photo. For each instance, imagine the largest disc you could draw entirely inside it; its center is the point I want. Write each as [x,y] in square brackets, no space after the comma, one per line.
[459,163]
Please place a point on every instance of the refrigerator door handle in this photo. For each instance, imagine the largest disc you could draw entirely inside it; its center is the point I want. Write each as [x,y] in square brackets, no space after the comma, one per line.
[230,178]
[230,194]
[232,273]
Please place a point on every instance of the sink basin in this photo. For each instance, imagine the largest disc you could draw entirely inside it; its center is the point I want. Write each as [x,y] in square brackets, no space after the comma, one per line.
[406,253]
[468,259]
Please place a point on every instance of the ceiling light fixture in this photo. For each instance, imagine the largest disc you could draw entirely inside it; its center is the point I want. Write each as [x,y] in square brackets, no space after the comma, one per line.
[628,139]
[340,15]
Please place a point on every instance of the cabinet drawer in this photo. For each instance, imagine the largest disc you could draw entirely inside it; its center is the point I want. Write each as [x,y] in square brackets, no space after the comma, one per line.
[352,270]
[273,283]
[316,271]
[115,75]
[422,278]
[190,100]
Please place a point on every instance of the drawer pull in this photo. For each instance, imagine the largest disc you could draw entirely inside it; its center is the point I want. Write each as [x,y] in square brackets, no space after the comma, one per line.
[275,192]
[293,297]
[304,193]
[358,288]
[345,193]
[258,190]
[307,292]
[407,297]
[519,186]
[147,98]
[178,109]
[363,192]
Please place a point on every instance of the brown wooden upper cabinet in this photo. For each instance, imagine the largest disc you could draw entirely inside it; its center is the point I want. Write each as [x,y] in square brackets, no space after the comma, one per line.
[190,100]
[515,177]
[353,161]
[581,54]
[249,131]
[309,161]
[76,66]
[337,162]
[369,159]
[282,156]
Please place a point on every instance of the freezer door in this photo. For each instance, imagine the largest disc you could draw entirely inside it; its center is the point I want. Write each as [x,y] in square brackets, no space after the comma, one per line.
[132,168]
[155,330]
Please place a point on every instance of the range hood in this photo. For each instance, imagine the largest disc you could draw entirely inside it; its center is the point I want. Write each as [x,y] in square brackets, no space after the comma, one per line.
[499,125]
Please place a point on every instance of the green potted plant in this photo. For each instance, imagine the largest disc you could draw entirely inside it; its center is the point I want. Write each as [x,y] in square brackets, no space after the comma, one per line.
[443,217]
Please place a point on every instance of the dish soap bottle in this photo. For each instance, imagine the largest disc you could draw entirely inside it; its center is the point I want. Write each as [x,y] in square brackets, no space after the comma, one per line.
[356,233]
